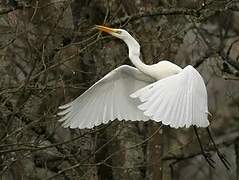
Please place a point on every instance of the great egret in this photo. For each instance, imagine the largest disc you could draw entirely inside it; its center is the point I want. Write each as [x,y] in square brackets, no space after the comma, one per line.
[163,92]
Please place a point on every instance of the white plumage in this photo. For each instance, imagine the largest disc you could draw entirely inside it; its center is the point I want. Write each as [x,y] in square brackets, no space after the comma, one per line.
[178,100]
[162,92]
[107,99]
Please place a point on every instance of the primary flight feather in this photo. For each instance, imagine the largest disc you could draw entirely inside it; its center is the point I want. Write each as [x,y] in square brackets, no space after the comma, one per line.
[163,92]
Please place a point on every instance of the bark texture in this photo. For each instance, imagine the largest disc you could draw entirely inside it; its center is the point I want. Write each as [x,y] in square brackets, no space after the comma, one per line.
[50,54]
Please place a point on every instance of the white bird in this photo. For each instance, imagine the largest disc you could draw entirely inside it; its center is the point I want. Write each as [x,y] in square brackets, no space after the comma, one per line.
[163,92]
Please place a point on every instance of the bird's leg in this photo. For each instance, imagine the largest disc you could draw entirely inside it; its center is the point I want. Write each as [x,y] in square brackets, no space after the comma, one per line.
[206,155]
[221,156]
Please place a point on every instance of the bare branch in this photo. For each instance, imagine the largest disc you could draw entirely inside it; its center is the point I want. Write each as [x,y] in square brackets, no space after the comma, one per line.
[202,13]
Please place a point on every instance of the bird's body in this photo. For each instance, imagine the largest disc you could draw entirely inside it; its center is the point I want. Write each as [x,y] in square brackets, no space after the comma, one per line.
[164,69]
[163,92]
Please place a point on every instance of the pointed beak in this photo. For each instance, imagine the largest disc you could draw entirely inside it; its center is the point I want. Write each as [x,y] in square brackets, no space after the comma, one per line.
[105,29]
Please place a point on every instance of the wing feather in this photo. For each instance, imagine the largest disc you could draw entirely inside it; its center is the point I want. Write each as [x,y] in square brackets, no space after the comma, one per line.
[177,108]
[179,100]
[107,99]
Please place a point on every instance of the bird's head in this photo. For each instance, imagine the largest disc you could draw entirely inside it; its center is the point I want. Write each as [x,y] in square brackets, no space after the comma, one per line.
[119,33]
[133,45]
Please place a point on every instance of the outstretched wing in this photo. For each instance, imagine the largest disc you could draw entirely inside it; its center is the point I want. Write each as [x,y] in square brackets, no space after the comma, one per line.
[179,100]
[107,100]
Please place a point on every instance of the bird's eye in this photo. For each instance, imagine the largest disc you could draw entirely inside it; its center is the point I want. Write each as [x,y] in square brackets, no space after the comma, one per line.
[118,32]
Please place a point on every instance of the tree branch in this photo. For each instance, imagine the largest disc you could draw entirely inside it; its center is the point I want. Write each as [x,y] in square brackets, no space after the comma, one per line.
[6,10]
[202,13]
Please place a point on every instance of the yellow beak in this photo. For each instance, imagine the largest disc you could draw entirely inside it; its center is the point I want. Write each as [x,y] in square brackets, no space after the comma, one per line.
[105,29]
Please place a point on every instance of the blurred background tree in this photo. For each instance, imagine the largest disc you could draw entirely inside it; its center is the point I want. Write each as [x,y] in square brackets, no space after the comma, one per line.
[50,54]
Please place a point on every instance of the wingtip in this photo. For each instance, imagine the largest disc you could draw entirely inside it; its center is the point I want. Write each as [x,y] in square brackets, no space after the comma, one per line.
[209,113]
[65,106]
[134,95]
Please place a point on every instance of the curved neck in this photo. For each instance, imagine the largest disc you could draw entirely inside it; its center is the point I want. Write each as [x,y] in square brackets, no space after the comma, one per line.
[134,53]
[139,64]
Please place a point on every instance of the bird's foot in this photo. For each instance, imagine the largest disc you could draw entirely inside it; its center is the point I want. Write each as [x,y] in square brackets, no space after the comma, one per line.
[209,159]
[223,159]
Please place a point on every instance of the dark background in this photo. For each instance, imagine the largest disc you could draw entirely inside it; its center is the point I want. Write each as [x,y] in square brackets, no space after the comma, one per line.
[49,55]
